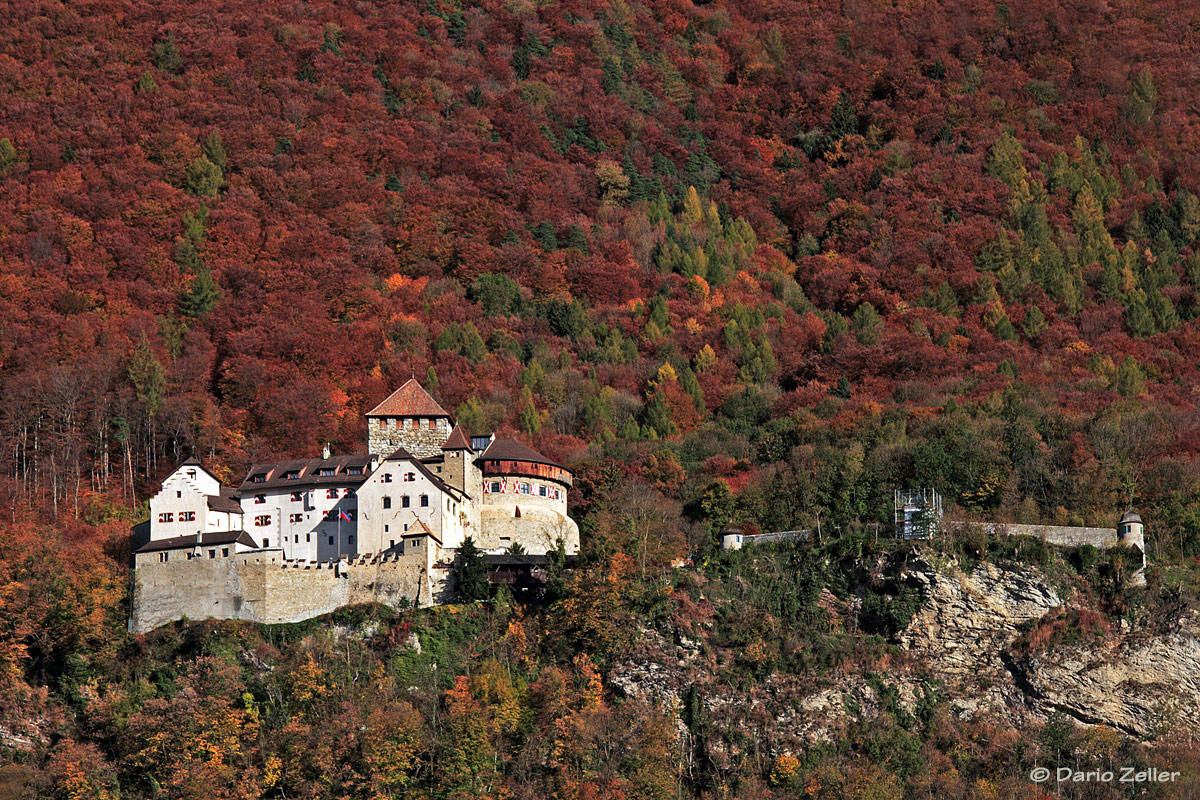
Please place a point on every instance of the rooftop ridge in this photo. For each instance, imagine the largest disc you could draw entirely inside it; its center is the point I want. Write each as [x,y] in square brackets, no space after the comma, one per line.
[410,400]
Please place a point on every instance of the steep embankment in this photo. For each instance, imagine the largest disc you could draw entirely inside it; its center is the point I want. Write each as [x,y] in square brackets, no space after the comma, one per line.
[995,640]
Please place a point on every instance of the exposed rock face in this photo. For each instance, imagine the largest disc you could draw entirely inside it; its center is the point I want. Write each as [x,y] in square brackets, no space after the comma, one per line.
[1140,684]
[1137,682]
[966,625]
[1134,681]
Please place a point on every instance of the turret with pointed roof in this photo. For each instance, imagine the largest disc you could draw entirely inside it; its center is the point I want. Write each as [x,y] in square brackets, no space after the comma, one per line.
[409,418]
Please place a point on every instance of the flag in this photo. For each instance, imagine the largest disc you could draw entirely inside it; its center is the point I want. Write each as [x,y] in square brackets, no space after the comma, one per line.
[343,515]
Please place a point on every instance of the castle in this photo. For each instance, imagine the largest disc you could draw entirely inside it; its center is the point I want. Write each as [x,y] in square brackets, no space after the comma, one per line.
[301,538]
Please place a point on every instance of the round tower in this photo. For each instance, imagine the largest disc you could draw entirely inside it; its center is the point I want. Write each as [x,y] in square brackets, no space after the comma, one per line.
[1131,533]
[524,500]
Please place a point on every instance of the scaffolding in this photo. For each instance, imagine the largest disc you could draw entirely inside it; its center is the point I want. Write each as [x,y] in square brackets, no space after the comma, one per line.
[918,513]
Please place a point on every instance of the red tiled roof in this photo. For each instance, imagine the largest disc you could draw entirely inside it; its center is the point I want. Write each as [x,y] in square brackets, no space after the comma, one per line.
[457,440]
[410,400]
[512,450]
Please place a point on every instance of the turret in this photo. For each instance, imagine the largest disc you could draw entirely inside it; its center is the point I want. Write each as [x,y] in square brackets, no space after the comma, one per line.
[1131,533]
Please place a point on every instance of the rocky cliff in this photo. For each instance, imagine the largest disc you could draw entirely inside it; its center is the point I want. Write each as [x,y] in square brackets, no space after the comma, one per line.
[969,638]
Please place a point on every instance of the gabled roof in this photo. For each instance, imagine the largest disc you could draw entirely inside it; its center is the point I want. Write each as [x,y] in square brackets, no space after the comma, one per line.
[419,528]
[400,454]
[195,462]
[198,539]
[410,400]
[512,450]
[457,440]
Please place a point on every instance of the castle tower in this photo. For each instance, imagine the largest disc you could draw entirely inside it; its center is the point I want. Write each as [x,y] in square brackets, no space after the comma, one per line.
[408,418]
[460,470]
[1131,533]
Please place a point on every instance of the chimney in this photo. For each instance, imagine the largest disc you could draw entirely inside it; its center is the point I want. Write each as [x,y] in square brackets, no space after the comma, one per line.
[325,452]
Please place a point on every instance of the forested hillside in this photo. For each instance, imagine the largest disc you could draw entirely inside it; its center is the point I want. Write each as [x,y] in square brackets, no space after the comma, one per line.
[762,262]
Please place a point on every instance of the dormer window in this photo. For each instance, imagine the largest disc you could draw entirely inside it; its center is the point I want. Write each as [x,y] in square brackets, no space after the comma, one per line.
[260,477]
[328,471]
[293,475]
[354,470]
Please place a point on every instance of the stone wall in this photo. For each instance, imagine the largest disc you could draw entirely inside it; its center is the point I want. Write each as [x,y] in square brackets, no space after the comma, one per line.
[536,530]
[270,590]
[1100,538]
[421,441]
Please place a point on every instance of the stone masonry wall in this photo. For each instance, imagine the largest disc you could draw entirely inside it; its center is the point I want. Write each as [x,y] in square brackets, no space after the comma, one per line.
[1100,538]
[268,590]
[422,441]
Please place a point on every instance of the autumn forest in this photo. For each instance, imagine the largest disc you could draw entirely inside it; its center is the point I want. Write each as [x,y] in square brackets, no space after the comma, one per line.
[752,262]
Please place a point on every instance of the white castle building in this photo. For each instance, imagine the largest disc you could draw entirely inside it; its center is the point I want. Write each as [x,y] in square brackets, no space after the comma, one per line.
[299,538]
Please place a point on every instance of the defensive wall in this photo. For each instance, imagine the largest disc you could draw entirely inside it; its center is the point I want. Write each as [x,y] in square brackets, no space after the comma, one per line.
[1100,538]
[265,588]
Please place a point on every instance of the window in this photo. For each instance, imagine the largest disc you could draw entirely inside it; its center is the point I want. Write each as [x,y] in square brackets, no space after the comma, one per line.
[331,540]
[495,487]
[523,488]
[385,528]
[263,520]
[260,477]
[542,491]
[212,553]
[163,556]
[297,497]
[260,498]
[293,475]
[350,539]
[387,478]
[297,538]
[387,502]
[187,516]
[439,469]
[328,471]
[408,476]
[424,501]
[404,501]
[331,493]
[432,424]
[266,542]
[354,470]
[393,544]
[179,494]
[347,493]
[308,537]
[166,516]
[225,552]
[294,518]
